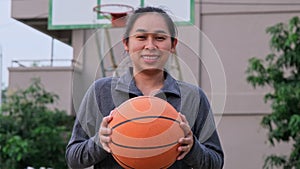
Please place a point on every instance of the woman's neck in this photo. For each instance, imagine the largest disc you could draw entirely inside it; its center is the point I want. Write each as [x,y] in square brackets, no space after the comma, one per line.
[149,81]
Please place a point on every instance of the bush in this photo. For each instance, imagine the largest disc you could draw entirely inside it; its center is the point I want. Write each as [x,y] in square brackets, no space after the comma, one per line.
[281,71]
[32,134]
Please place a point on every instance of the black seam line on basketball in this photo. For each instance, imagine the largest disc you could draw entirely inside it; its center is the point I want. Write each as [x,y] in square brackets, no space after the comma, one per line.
[144,117]
[144,148]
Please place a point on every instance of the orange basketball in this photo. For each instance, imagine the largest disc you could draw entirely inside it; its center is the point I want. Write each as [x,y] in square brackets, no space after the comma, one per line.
[145,133]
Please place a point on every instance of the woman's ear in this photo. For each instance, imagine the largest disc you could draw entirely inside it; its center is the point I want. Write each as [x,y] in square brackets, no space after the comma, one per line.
[174,44]
[125,43]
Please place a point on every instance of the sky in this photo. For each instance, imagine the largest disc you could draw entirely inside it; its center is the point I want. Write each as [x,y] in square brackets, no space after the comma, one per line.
[21,42]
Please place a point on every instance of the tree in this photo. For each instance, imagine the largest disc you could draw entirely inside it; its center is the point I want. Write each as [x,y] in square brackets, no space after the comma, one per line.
[280,70]
[3,97]
[3,93]
[32,134]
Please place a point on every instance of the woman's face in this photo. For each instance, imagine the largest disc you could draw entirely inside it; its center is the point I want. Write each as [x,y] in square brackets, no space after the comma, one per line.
[149,44]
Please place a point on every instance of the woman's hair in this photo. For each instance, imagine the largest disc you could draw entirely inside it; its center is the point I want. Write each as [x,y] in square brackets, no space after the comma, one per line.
[140,11]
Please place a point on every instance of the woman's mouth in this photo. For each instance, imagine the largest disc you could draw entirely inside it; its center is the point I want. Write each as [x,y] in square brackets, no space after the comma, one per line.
[150,58]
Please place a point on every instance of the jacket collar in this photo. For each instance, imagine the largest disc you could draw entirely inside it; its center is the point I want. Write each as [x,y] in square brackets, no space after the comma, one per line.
[127,84]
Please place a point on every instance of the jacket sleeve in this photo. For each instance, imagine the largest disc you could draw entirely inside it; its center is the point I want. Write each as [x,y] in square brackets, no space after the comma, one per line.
[206,152]
[84,148]
[83,151]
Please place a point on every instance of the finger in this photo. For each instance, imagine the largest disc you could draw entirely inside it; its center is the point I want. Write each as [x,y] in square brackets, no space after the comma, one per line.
[186,144]
[186,141]
[181,156]
[183,118]
[106,120]
[185,125]
[186,129]
[112,112]
[104,140]
[106,148]
[184,150]
[105,131]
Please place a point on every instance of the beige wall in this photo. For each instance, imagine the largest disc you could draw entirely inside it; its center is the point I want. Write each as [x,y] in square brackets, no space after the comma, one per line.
[244,142]
[237,37]
[29,9]
[55,79]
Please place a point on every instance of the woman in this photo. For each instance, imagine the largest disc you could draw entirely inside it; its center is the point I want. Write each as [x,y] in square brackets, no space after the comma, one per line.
[149,39]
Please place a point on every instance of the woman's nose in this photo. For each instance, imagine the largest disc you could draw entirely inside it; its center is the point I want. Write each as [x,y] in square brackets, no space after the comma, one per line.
[150,44]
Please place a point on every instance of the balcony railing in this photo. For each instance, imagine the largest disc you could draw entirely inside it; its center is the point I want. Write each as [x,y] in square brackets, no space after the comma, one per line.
[44,63]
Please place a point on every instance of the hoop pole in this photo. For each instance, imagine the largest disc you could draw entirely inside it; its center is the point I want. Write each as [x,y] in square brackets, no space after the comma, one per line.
[112,55]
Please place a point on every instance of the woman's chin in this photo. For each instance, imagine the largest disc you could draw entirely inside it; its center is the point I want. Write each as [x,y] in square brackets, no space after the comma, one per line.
[151,70]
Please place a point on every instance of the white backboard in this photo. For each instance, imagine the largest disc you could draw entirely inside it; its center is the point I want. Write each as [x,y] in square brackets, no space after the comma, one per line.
[79,14]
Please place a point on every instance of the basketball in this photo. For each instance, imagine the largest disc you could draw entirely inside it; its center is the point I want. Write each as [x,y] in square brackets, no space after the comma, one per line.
[145,133]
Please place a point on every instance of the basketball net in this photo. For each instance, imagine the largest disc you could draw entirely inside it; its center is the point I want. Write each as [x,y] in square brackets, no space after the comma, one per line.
[117,13]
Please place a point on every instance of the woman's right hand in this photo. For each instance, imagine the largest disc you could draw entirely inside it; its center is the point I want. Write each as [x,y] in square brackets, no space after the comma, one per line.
[105,132]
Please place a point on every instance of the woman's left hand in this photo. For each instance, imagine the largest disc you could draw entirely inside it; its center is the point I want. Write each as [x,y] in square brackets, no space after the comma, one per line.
[187,142]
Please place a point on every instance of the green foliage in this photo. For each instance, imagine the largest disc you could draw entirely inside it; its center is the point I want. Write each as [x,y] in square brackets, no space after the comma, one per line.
[281,71]
[3,94]
[32,134]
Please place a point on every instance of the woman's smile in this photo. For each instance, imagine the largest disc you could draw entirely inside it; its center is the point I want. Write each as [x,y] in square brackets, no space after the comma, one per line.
[150,58]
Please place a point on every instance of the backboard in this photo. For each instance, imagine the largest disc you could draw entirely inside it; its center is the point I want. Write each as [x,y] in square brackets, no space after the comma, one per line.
[79,14]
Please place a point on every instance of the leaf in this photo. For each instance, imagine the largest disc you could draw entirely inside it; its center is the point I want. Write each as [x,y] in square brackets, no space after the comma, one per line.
[294,125]
[274,161]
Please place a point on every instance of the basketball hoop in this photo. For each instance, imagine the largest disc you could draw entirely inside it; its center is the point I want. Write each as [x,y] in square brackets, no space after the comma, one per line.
[118,13]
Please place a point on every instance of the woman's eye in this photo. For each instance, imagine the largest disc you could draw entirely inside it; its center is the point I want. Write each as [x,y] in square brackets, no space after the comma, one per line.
[160,38]
[141,37]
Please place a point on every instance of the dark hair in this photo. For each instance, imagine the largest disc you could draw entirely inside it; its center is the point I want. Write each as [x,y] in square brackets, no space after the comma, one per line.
[143,10]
